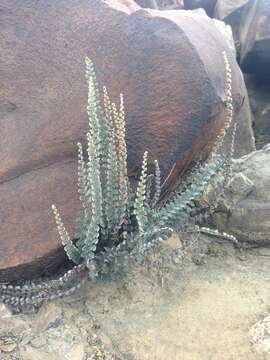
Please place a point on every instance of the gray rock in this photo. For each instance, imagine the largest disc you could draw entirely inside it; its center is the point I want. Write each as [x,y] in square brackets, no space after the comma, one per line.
[161,4]
[231,11]
[49,316]
[259,95]
[39,342]
[29,353]
[248,198]
[255,39]
[207,5]
[240,187]
[260,335]
[170,4]
[7,344]
[76,352]
[245,141]
[4,312]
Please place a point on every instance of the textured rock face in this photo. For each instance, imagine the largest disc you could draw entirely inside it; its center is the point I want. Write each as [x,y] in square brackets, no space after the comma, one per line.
[207,5]
[231,12]
[170,4]
[245,141]
[148,4]
[259,95]
[255,39]
[159,60]
[161,4]
[248,197]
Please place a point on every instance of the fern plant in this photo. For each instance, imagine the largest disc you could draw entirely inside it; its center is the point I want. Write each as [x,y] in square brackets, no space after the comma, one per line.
[114,222]
[112,218]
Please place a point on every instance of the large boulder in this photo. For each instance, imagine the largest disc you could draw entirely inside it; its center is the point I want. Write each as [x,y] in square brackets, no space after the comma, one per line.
[248,200]
[174,99]
[207,5]
[255,39]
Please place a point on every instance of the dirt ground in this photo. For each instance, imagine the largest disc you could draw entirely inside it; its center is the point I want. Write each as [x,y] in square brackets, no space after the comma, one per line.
[212,305]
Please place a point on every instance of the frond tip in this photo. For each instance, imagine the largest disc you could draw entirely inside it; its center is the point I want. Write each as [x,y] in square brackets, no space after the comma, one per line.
[70,249]
[139,204]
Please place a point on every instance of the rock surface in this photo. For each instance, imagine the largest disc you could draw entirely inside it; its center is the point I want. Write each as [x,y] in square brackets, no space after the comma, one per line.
[260,335]
[231,11]
[255,39]
[259,95]
[207,5]
[170,4]
[248,199]
[161,4]
[245,140]
[174,99]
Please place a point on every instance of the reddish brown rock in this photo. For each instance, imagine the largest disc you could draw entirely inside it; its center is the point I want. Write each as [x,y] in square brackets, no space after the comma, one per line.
[174,98]
[207,5]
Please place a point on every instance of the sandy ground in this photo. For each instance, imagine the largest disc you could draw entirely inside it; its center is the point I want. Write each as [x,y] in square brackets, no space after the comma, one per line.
[205,310]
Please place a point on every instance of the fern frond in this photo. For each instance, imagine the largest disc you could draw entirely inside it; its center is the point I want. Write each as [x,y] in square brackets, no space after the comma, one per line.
[82,178]
[89,242]
[94,179]
[119,123]
[149,189]
[117,146]
[140,209]
[93,105]
[112,189]
[96,117]
[84,190]
[218,234]
[228,102]
[70,249]
[108,112]
[157,193]
[123,177]
[179,208]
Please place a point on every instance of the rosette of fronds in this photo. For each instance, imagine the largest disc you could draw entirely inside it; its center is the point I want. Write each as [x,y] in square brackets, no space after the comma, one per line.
[114,221]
